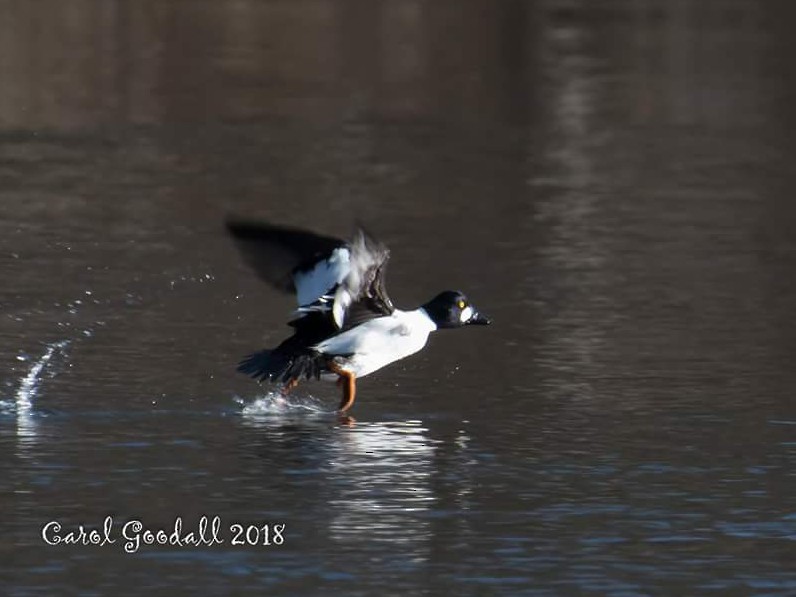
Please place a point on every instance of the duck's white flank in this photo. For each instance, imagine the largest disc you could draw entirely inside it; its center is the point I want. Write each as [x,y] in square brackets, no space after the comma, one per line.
[381,341]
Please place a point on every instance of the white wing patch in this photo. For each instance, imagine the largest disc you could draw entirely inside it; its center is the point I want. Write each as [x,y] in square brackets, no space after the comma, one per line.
[312,285]
[342,300]
[336,282]
[466,314]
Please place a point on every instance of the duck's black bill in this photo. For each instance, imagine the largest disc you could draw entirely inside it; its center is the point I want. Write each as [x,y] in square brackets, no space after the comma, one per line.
[479,319]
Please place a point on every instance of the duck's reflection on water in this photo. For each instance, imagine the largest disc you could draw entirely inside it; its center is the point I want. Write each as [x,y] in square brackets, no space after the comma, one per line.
[375,479]
[383,473]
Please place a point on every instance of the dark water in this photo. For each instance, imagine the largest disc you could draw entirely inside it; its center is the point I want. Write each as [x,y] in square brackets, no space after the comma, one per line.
[611,182]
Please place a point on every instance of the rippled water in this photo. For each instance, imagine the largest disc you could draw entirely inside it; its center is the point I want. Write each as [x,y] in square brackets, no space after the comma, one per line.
[612,186]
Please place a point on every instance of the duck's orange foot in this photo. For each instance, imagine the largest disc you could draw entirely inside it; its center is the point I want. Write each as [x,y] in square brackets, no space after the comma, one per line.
[346,420]
[292,383]
[349,383]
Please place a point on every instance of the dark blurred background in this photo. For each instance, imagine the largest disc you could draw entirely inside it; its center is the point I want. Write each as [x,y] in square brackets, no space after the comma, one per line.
[90,63]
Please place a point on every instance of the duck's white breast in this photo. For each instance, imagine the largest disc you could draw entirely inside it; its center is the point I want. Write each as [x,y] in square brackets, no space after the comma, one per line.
[380,341]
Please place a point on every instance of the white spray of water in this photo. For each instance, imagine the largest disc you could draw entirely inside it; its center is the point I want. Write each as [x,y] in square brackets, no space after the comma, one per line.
[30,384]
[275,403]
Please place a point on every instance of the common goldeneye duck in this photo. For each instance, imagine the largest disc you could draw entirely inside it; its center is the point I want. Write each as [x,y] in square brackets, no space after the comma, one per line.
[345,326]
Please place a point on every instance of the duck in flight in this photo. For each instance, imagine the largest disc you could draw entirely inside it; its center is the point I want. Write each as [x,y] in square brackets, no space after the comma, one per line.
[345,326]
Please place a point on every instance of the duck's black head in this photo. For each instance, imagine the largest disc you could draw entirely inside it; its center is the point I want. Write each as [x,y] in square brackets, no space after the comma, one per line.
[451,309]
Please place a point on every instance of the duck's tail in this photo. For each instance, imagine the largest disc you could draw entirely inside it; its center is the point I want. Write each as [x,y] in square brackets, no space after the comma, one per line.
[283,366]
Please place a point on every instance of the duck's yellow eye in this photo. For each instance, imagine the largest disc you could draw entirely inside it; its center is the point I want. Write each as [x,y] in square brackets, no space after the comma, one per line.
[461,305]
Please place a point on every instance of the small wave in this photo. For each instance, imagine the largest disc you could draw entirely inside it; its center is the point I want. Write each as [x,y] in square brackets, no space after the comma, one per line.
[274,403]
[30,384]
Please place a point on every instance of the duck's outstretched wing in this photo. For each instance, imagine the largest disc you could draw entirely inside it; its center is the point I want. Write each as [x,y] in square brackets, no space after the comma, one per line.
[328,275]
[362,294]
[292,260]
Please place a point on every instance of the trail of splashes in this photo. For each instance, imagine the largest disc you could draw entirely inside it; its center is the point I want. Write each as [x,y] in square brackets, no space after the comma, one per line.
[275,403]
[30,384]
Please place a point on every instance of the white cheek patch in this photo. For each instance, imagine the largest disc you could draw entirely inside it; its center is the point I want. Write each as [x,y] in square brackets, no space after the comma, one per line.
[466,314]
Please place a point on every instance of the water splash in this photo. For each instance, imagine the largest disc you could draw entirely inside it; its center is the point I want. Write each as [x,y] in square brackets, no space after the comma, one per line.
[274,403]
[30,384]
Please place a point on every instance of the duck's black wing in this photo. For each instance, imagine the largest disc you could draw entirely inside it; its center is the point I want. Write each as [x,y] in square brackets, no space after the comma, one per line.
[344,280]
[278,253]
